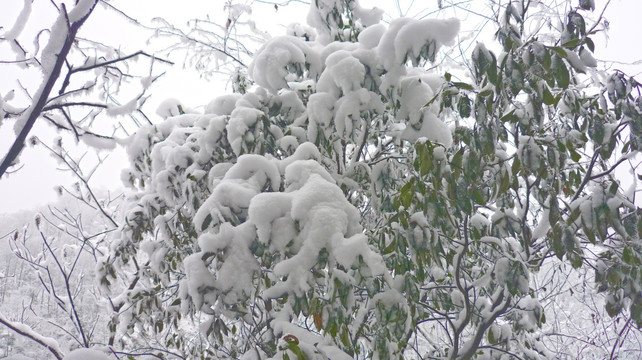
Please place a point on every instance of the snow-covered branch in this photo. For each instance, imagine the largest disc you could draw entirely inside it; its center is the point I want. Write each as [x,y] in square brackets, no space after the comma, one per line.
[54,55]
[28,332]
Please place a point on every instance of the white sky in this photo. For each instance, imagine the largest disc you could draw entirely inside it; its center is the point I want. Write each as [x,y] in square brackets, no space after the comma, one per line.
[34,184]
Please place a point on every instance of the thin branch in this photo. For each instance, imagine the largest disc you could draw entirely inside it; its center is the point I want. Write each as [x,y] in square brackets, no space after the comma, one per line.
[619,336]
[66,276]
[587,177]
[69,104]
[599,19]
[36,108]
[84,131]
[105,64]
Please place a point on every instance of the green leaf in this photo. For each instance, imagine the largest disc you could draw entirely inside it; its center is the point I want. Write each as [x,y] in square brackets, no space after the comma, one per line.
[332,328]
[558,248]
[463,106]
[463,85]
[554,210]
[555,235]
[431,100]
[560,72]
[406,194]
[627,255]
[636,312]
[294,347]
[424,159]
[491,70]
[505,184]
[571,44]
[575,214]
[587,5]
[390,248]
[574,155]
[206,222]
[548,97]
[478,197]
[345,337]
[491,336]
[576,259]
[590,234]
[613,308]
[516,166]
[456,161]
[559,51]
[589,44]
[485,93]
[509,117]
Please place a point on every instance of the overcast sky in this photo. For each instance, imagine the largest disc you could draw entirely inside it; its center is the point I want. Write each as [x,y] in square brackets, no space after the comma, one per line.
[33,185]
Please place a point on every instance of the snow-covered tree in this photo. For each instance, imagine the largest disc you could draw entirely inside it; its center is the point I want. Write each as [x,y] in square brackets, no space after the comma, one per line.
[49,296]
[80,81]
[356,202]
